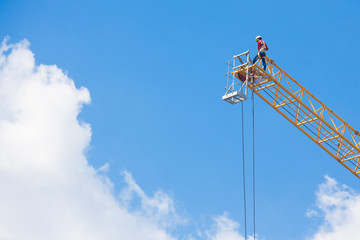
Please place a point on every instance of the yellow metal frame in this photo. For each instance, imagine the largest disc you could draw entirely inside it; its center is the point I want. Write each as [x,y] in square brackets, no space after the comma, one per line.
[306,112]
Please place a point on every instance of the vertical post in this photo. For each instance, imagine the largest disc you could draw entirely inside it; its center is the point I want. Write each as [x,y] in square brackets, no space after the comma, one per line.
[247,71]
[248,61]
[227,76]
[233,73]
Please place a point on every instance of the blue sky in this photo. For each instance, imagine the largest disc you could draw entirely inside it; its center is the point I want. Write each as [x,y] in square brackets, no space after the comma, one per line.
[156,73]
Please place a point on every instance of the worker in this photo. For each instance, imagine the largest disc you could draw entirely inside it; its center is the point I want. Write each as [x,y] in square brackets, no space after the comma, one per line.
[262,48]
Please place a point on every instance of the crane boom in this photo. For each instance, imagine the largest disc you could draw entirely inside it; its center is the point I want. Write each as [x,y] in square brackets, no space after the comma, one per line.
[297,105]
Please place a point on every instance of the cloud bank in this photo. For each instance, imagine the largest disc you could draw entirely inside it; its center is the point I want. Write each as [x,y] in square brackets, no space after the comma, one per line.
[339,209]
[48,189]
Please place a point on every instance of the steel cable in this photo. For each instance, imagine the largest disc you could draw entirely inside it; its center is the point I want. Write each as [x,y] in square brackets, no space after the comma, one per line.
[243,156]
[253,115]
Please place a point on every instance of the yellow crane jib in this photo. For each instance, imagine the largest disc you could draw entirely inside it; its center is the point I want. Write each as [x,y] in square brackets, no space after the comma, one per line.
[296,104]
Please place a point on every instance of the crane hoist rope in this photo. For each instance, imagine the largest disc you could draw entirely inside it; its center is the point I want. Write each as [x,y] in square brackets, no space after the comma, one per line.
[243,165]
[253,164]
[313,118]
[253,153]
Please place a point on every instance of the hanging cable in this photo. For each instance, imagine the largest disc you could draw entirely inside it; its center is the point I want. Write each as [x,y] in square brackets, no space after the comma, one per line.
[243,151]
[253,116]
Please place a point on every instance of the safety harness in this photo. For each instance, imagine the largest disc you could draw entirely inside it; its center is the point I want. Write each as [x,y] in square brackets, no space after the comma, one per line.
[263,48]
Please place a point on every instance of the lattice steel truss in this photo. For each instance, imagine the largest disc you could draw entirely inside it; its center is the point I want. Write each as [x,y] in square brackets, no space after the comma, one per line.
[305,111]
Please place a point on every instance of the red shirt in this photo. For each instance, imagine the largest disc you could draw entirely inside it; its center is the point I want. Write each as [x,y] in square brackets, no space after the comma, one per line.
[262,45]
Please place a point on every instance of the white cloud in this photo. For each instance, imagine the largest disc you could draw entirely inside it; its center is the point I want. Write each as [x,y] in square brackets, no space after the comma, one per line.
[161,207]
[224,229]
[48,189]
[339,207]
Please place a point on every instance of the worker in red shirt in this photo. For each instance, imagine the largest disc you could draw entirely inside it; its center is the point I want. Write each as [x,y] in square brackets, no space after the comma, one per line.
[262,48]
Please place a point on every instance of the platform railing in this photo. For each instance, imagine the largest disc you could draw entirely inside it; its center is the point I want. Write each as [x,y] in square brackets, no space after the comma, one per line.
[236,89]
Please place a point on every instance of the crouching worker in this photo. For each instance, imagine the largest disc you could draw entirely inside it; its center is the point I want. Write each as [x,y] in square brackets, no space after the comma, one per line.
[262,48]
